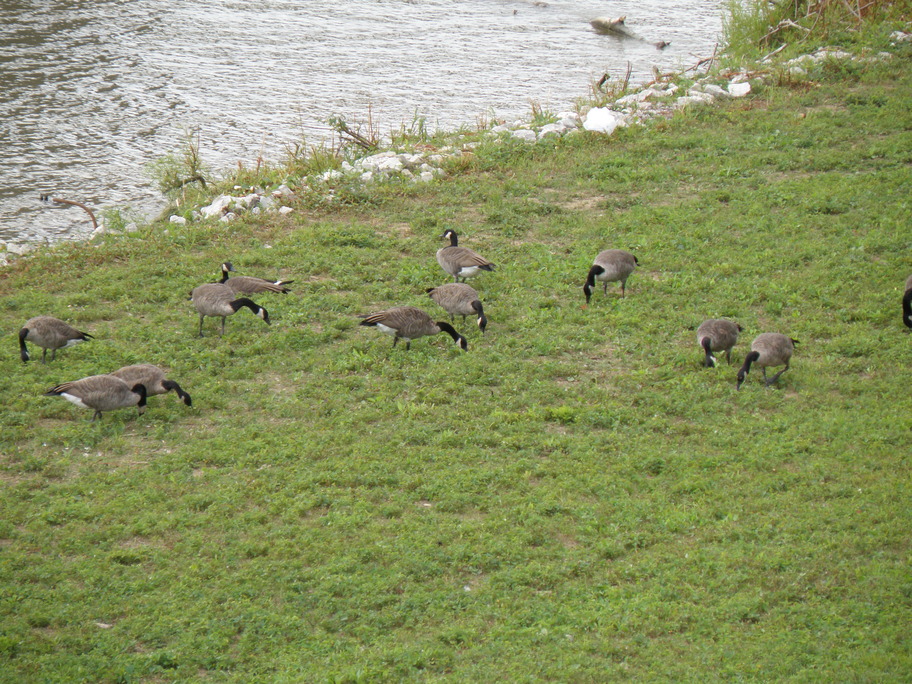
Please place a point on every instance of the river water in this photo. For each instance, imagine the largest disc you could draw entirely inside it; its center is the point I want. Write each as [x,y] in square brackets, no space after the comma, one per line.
[93,91]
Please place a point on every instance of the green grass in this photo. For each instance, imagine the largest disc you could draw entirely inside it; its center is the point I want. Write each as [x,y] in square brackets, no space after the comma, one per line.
[573,499]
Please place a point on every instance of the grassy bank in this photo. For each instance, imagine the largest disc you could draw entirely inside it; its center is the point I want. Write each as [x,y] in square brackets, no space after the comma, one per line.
[573,499]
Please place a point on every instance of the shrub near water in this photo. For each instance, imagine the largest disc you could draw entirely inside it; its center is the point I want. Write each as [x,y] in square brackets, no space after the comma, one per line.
[573,499]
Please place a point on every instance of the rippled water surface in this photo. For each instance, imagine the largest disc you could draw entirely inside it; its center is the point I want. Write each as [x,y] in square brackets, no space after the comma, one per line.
[91,92]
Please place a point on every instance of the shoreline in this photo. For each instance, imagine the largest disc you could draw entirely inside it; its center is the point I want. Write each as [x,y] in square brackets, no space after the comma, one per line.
[660,98]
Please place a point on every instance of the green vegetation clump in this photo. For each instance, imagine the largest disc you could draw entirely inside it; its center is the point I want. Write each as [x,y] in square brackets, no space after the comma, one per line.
[756,28]
[573,499]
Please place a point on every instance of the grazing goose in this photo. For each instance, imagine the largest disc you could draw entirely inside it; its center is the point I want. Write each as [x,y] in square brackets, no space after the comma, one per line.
[460,262]
[715,335]
[907,308]
[101,393]
[216,299]
[768,350]
[610,266]
[409,323]
[459,299]
[251,285]
[50,333]
[153,378]
[907,304]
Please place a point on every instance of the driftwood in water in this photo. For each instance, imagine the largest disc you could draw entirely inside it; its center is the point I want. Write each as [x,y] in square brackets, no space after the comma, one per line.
[615,26]
[57,200]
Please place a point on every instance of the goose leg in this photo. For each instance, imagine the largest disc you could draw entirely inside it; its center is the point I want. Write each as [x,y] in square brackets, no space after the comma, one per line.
[96,416]
[775,377]
[44,356]
[224,318]
[728,356]
[201,326]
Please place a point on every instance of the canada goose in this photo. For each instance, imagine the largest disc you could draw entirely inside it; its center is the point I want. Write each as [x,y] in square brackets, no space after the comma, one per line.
[409,323]
[216,299]
[460,262]
[907,304]
[101,393]
[768,350]
[153,378]
[715,335]
[251,285]
[907,308]
[609,267]
[50,333]
[461,300]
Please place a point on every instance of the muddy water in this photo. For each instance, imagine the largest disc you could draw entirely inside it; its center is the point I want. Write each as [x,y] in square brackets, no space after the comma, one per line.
[93,91]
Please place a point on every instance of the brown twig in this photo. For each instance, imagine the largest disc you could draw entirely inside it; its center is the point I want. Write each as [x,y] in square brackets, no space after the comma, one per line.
[57,200]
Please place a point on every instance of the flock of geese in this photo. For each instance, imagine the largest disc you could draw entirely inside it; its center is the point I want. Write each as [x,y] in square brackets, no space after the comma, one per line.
[131,385]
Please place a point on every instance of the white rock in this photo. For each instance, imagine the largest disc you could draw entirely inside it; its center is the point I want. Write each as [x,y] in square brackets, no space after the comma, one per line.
[218,206]
[688,100]
[230,216]
[282,191]
[372,163]
[601,120]
[179,220]
[569,122]
[366,177]
[739,89]
[390,165]
[642,96]
[525,135]
[552,131]
[285,210]
[714,90]
[131,227]
[500,129]
[426,176]
[797,71]
[332,174]
[900,37]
